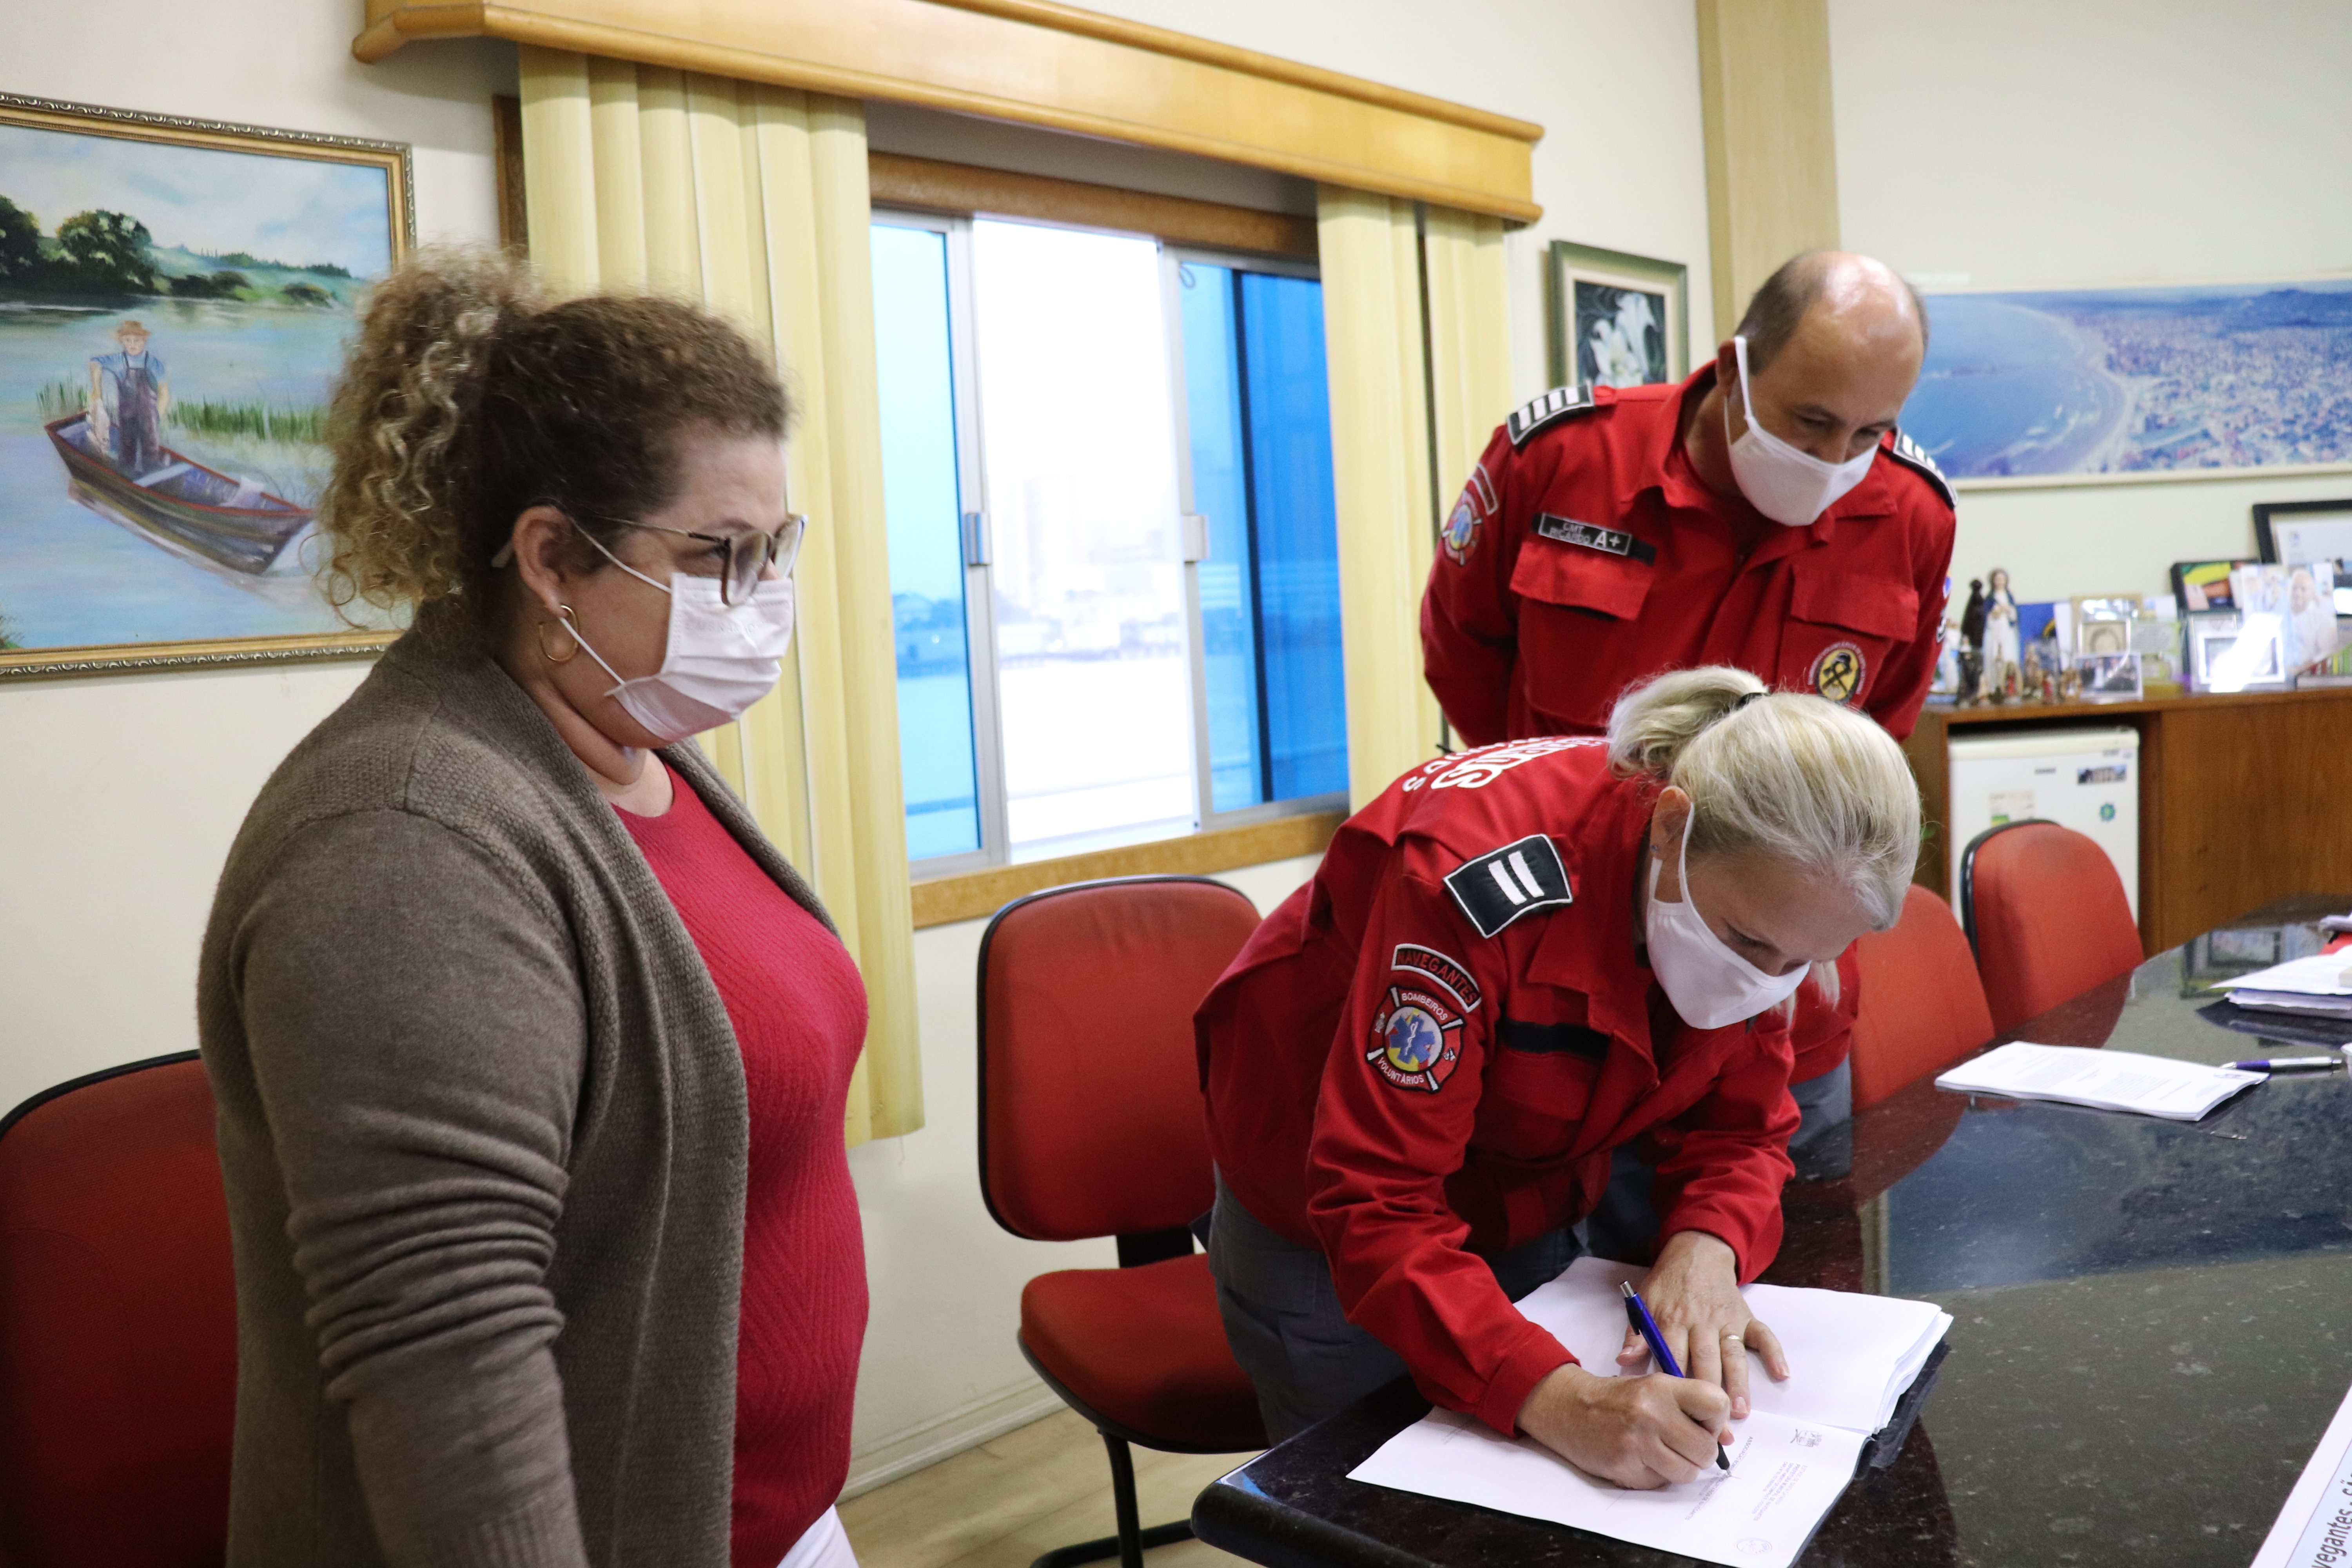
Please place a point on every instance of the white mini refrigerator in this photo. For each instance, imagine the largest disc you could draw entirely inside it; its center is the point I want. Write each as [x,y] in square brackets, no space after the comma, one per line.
[2087,780]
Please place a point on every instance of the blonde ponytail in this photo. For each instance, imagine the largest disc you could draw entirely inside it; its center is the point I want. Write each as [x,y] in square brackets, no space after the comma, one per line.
[1789,776]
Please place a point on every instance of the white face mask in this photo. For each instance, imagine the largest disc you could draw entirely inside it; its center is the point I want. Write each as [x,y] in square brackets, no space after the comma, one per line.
[720,659]
[1710,985]
[1788,485]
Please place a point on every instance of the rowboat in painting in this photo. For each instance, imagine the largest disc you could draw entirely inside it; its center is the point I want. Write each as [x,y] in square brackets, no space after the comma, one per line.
[183,504]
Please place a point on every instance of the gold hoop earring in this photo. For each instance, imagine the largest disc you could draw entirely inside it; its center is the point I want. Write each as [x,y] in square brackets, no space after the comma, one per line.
[569,653]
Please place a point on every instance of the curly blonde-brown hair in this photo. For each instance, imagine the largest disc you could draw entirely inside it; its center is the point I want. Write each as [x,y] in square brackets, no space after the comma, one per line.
[470,396]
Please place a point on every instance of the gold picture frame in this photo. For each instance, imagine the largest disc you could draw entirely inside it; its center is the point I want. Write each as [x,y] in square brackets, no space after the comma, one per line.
[174,298]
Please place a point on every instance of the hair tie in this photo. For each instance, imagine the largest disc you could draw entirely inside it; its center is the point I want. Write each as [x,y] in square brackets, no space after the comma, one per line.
[1745,700]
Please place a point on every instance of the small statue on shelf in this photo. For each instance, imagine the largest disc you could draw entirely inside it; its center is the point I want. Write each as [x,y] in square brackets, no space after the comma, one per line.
[1972,636]
[2001,654]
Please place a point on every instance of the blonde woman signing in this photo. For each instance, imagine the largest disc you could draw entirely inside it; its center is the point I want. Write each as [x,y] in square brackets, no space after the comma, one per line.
[1513,962]
[531,1051]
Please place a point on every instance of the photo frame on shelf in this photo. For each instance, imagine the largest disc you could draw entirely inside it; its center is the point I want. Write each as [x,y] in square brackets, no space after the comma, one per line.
[2227,655]
[2110,677]
[2202,586]
[174,298]
[2298,533]
[1615,319]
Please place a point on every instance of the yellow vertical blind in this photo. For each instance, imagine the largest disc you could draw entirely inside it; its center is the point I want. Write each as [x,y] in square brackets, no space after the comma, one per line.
[1400,396]
[753,200]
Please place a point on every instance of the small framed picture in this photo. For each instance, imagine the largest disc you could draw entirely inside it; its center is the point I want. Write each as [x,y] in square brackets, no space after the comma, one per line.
[1615,319]
[2109,676]
[2230,656]
[2204,585]
[2296,533]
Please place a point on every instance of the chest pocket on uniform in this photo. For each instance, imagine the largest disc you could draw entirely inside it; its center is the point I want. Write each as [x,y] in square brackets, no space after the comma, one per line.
[1575,647]
[1539,1087]
[1843,626]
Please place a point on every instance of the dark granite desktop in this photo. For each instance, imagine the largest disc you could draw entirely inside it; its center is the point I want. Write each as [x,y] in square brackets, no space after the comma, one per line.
[2153,1319]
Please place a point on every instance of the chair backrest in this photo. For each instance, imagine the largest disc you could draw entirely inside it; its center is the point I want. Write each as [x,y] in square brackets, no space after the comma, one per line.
[2047,916]
[118,1324]
[1923,1007]
[1091,1121]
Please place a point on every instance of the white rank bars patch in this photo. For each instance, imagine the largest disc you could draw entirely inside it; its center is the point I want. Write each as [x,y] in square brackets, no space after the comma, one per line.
[1550,407]
[1502,885]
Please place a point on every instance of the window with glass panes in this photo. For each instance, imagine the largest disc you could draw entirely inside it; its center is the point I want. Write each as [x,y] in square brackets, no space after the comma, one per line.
[1113,551]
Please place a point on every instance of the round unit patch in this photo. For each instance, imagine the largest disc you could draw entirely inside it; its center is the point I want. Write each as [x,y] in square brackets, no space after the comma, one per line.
[1839,672]
[1416,1040]
[1461,535]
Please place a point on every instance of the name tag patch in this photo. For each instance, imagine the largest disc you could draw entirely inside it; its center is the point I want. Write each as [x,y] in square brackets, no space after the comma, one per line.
[1502,885]
[1592,536]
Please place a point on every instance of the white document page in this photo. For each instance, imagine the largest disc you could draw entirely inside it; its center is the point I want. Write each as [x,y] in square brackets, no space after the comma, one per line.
[1785,1476]
[2320,975]
[2106,1081]
[2314,1528]
[1851,1356]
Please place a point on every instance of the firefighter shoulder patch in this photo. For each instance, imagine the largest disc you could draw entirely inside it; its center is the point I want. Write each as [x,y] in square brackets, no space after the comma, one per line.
[1523,878]
[1914,456]
[1416,1038]
[1547,410]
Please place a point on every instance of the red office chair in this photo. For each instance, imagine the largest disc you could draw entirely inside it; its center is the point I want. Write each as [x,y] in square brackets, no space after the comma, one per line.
[1091,1125]
[1923,1007]
[2046,913]
[118,1324]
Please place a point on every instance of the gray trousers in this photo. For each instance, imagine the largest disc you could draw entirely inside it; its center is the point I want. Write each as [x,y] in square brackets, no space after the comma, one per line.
[1623,1224]
[1283,1318]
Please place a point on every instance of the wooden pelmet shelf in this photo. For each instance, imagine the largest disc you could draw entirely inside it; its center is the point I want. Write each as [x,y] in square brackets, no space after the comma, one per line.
[2242,797]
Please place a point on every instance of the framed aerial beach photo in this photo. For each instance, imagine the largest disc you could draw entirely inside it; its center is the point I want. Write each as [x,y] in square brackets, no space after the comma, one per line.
[174,296]
[1615,319]
[2101,385]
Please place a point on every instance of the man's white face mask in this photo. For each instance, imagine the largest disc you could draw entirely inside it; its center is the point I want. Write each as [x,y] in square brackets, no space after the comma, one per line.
[1788,485]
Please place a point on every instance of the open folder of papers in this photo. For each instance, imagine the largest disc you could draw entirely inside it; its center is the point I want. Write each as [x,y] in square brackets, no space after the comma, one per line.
[2317,984]
[2314,1529]
[2104,1080]
[1853,1356]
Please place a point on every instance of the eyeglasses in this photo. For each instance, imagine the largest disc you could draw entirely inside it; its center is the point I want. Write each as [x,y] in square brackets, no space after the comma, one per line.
[748,555]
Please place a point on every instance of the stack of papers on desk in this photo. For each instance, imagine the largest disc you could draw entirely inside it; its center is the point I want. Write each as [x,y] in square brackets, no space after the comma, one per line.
[2314,1526]
[1853,1356]
[2315,985]
[2104,1080]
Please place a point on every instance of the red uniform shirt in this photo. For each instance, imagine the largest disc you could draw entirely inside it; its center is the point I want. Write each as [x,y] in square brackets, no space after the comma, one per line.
[1434,1045]
[1585,556]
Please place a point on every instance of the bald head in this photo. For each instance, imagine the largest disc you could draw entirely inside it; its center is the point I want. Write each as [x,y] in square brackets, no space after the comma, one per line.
[1858,305]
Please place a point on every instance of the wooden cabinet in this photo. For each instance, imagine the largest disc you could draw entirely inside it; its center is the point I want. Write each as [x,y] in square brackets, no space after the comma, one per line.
[2242,798]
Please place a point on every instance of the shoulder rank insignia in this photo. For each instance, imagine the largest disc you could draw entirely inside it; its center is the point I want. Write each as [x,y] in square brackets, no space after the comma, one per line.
[1517,880]
[1914,456]
[1549,409]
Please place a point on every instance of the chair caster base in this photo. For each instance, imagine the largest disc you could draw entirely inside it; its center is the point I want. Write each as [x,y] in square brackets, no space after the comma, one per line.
[1108,1547]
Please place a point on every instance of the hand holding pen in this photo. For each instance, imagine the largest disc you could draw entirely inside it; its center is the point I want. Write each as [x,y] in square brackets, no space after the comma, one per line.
[1638,1319]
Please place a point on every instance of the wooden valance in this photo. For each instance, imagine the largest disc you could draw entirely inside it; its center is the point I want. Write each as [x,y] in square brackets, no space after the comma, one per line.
[1035,62]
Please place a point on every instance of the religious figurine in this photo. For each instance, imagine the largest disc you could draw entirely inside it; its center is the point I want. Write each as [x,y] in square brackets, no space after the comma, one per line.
[1972,636]
[2002,652]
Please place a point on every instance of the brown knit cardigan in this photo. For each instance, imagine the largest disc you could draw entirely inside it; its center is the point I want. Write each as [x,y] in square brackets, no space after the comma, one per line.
[482,1123]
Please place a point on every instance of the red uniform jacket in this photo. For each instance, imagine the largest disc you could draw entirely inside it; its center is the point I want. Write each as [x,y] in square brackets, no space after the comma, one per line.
[1434,1045]
[1585,556]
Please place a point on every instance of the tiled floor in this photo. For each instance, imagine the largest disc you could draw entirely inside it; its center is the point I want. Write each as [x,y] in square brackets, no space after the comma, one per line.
[1002,1504]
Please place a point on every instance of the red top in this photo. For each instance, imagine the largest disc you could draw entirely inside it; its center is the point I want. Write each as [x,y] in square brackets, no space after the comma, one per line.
[1585,554]
[1435,1044]
[799,1011]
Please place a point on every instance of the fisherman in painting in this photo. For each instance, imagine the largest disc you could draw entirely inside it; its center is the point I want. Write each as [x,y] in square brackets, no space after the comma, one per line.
[132,433]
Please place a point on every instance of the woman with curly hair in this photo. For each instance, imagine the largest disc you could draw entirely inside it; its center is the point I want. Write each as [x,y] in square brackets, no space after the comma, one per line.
[531,1051]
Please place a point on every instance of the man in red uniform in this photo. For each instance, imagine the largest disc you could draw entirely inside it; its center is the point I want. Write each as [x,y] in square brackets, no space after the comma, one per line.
[1770,518]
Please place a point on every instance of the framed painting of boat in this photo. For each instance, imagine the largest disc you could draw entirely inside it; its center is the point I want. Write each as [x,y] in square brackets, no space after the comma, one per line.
[174,295]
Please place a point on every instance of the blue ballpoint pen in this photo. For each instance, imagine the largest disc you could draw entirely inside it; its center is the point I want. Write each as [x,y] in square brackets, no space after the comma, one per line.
[1637,1316]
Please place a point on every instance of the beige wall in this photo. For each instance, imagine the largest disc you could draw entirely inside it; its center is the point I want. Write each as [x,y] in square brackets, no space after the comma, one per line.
[119,796]
[2016,143]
